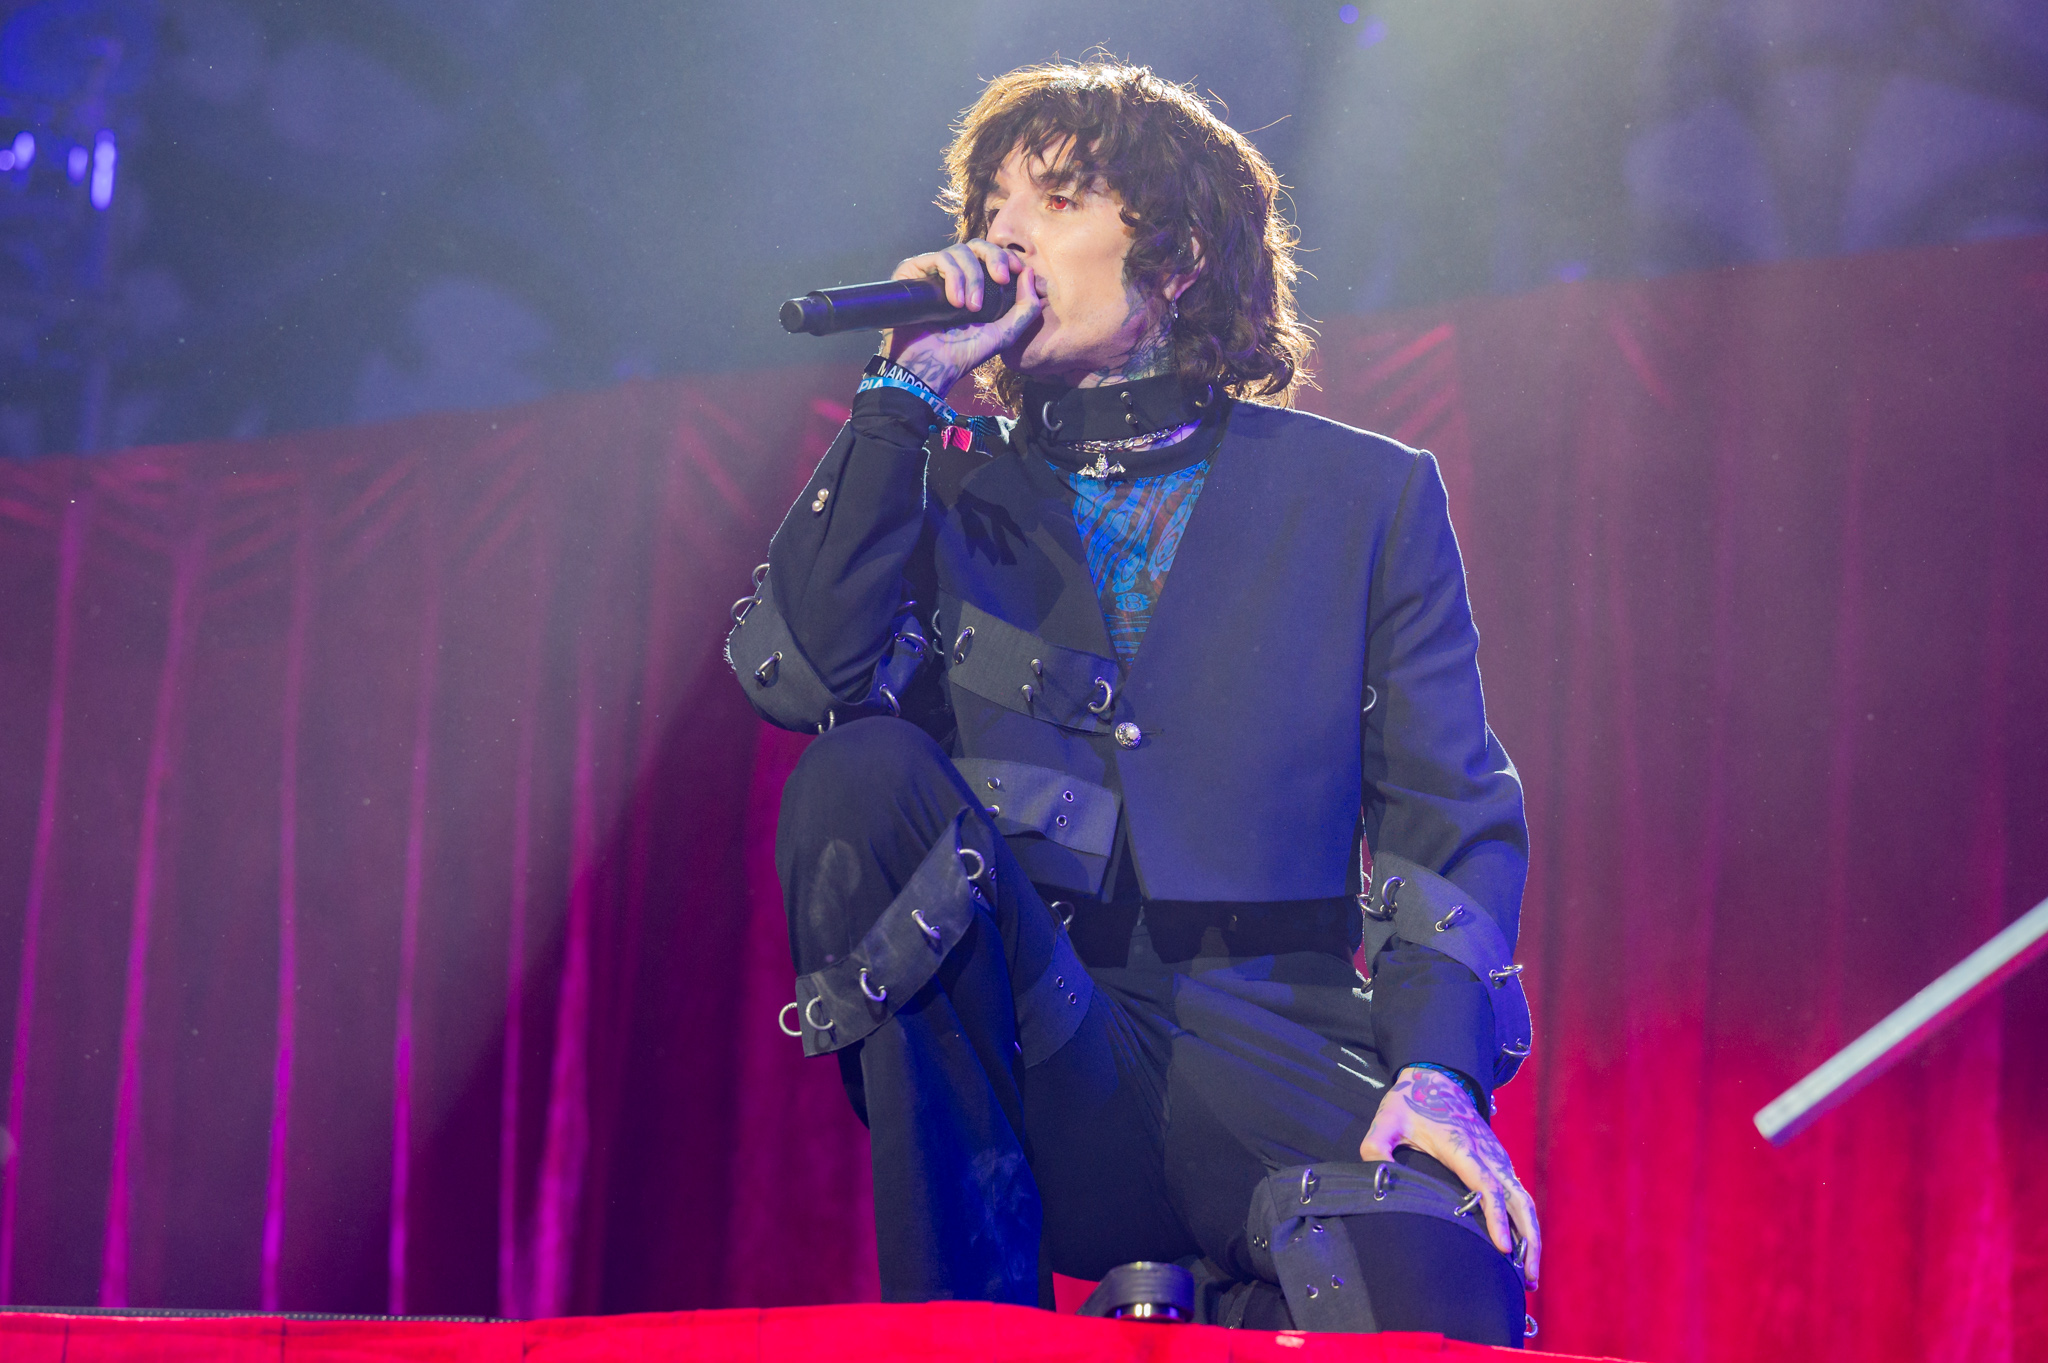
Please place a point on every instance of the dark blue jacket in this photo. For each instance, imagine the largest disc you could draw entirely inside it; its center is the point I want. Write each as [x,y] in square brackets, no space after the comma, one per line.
[1310,670]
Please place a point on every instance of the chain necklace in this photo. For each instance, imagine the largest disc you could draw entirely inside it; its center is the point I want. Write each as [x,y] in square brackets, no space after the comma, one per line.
[1102,449]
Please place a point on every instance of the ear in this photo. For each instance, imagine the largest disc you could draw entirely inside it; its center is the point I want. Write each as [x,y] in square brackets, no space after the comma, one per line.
[1180,283]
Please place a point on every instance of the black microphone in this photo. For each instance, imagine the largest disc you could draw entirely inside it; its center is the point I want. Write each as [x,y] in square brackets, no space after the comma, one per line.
[891,303]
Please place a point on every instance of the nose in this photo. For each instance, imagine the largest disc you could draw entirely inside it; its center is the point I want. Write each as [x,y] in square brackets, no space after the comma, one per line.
[1008,228]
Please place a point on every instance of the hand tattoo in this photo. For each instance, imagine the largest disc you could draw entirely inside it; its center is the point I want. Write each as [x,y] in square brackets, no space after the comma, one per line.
[1442,1100]
[1434,1114]
[1438,1096]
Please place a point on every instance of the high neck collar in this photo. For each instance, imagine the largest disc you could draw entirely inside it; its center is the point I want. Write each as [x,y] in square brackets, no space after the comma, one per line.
[1055,414]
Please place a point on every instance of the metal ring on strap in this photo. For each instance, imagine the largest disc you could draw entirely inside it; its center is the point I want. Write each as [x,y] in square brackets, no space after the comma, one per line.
[782,1020]
[960,644]
[1308,1184]
[1507,972]
[889,699]
[1065,918]
[1382,1180]
[932,933]
[1451,919]
[1045,419]
[1385,912]
[824,1026]
[980,862]
[1102,706]
[1466,1207]
[1372,698]
[875,993]
[1528,1326]
[1519,1050]
[766,673]
[742,606]
[831,718]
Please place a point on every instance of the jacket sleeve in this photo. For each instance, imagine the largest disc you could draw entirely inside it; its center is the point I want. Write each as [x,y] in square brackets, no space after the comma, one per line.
[829,626]
[1444,802]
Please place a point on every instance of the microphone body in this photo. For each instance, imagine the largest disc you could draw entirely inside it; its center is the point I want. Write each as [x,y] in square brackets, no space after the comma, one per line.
[891,303]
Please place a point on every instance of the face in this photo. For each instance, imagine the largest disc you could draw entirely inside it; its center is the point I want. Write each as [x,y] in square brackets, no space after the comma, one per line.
[1075,240]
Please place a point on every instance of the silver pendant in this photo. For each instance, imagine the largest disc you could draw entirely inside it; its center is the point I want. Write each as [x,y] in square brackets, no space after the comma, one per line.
[1101,468]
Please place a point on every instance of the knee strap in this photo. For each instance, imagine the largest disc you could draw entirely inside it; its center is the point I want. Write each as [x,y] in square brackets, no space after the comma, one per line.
[846,1001]
[1298,1237]
[1050,1011]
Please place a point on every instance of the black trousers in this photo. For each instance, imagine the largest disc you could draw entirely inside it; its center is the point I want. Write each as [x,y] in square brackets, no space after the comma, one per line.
[1192,1073]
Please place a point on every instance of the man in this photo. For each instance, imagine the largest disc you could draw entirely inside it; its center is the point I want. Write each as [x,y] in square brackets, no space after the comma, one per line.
[1110,694]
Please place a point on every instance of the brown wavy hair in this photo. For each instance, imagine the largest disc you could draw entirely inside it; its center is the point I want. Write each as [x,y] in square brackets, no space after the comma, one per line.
[1183,176]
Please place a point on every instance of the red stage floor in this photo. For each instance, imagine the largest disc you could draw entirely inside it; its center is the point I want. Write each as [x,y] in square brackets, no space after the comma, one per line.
[940,1331]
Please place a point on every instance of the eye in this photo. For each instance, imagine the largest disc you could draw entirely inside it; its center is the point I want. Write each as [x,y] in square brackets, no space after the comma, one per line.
[1058,202]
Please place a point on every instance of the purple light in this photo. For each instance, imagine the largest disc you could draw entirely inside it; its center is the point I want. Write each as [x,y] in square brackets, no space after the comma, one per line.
[1347,14]
[1370,35]
[103,170]
[24,150]
[75,164]
[6,158]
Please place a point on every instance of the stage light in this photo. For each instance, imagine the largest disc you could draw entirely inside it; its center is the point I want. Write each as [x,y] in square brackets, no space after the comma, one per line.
[75,163]
[1370,35]
[24,150]
[1347,13]
[103,170]
[6,158]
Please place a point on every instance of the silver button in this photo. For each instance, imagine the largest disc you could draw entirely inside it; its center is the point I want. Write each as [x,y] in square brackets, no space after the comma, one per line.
[1128,735]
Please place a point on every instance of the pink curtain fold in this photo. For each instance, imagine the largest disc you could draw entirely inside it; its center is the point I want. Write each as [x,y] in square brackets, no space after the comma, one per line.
[386,854]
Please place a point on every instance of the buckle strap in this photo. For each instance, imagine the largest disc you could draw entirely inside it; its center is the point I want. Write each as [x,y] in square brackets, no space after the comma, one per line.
[1018,670]
[846,1001]
[1297,1236]
[1413,903]
[1050,1011]
[1023,798]
[779,680]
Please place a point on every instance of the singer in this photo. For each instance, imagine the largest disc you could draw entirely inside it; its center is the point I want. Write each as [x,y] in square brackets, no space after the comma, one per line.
[1141,711]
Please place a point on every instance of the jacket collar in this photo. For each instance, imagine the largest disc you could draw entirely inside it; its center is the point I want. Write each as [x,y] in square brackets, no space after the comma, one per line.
[1054,414]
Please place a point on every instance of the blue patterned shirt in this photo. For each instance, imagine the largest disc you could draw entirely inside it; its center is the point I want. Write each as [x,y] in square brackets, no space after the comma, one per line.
[1130,530]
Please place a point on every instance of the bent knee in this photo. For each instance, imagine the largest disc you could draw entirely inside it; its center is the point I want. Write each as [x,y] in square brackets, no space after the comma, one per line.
[862,756]
[859,779]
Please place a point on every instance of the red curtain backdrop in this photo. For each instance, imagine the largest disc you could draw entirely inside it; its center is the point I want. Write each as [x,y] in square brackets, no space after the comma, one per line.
[387,908]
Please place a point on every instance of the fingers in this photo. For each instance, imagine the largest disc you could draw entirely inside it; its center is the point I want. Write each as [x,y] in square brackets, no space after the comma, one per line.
[1386,1132]
[1522,1211]
[999,261]
[962,291]
[962,268]
[1475,1176]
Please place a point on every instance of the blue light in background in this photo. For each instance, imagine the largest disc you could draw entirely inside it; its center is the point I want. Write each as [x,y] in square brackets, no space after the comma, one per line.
[103,170]
[1370,35]
[75,163]
[1347,13]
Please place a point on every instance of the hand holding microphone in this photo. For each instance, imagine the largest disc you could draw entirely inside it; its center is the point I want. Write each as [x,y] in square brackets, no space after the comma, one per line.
[972,275]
